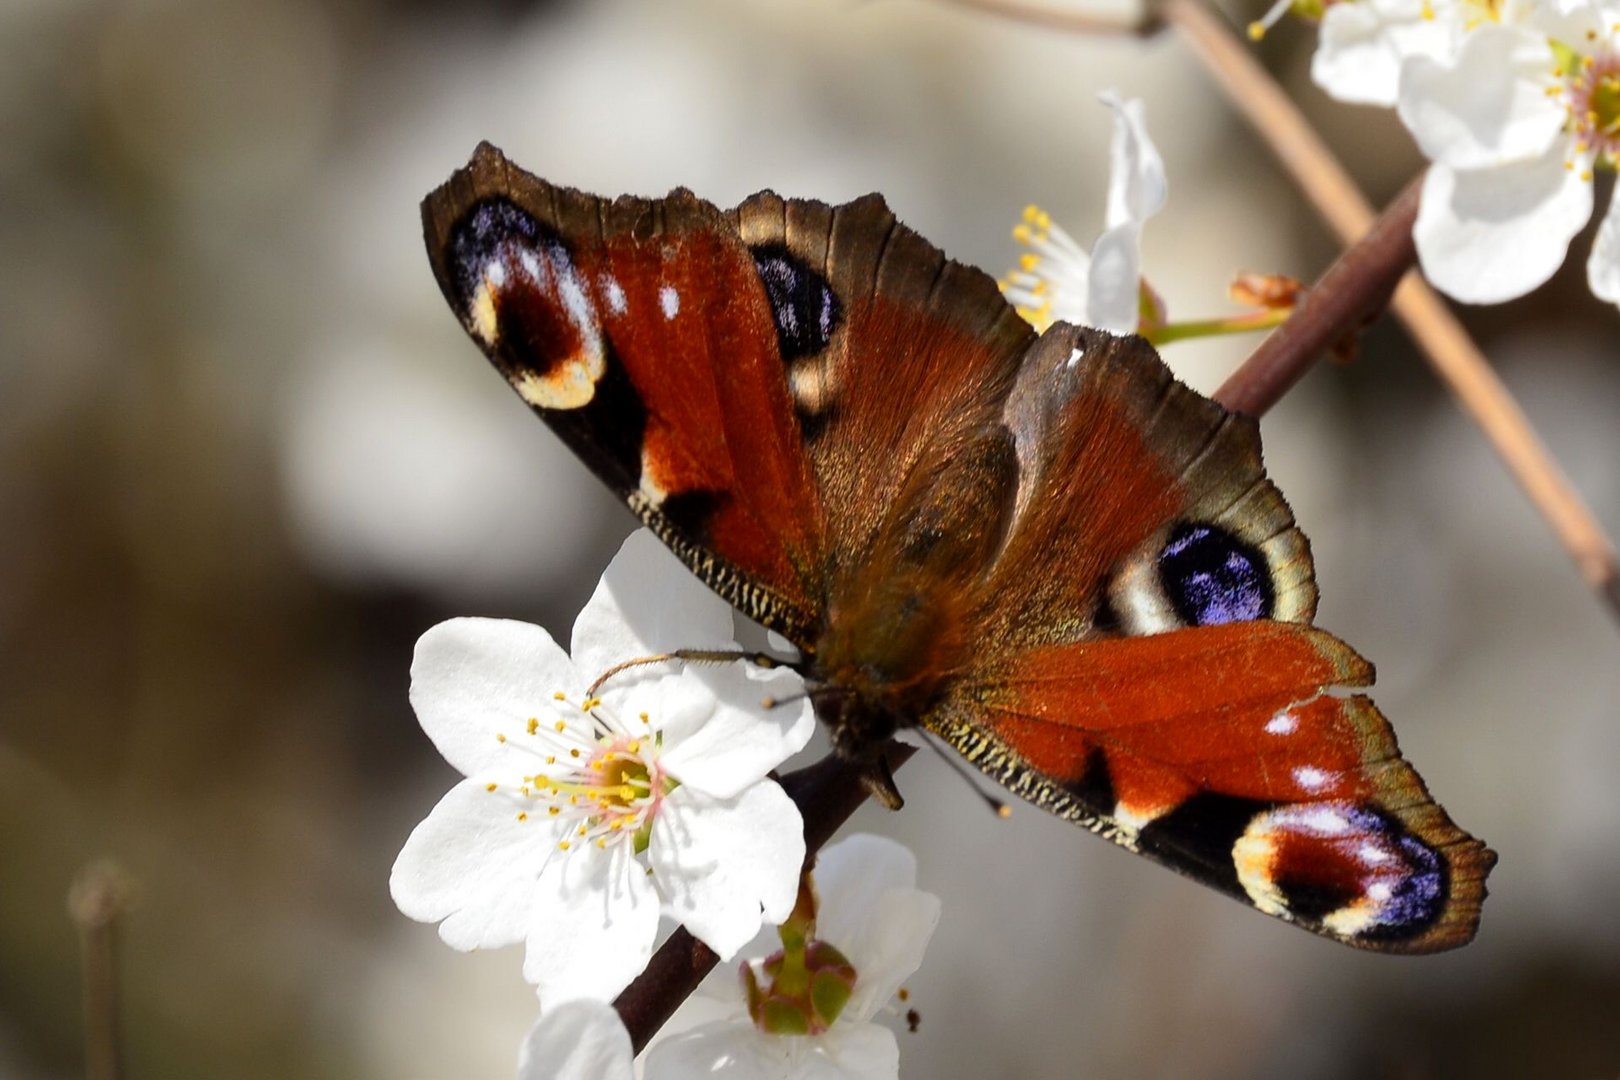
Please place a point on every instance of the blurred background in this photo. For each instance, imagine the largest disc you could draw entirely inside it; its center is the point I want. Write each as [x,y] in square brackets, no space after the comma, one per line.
[247,456]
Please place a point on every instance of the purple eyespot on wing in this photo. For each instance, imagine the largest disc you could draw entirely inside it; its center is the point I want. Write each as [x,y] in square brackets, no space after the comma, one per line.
[1212,577]
[1351,868]
[803,306]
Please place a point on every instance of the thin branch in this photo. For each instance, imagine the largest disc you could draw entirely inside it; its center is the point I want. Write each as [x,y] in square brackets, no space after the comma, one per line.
[1354,290]
[96,901]
[1450,351]
[1070,18]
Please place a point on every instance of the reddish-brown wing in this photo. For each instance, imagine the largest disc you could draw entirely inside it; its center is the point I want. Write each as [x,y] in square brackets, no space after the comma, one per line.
[1217,751]
[638,330]
[1153,679]
[920,359]
[756,384]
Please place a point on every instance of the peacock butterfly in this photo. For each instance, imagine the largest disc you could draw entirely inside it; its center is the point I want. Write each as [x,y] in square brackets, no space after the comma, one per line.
[1041,548]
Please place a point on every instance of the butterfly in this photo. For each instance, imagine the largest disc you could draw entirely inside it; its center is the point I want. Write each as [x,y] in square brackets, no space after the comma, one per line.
[1043,548]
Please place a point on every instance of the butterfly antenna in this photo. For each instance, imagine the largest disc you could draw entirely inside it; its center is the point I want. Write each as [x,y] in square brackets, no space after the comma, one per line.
[997,807]
[693,656]
[774,702]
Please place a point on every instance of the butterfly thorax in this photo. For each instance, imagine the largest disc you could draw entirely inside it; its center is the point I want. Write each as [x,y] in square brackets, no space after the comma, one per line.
[881,664]
[901,628]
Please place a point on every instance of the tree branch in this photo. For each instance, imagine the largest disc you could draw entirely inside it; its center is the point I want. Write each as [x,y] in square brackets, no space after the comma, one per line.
[1450,351]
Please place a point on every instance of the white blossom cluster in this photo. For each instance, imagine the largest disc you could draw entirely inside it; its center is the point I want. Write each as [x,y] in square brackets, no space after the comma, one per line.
[1517,105]
[591,808]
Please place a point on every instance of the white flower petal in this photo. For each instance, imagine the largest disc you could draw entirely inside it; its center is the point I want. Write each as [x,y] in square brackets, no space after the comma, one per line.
[851,874]
[1137,187]
[1493,234]
[724,1050]
[577,1040]
[472,863]
[872,911]
[890,946]
[594,920]
[647,603]
[475,679]
[1354,61]
[1582,25]
[1490,107]
[875,915]
[737,1051]
[1603,267]
[719,862]
[736,741]
[853,1052]
[1360,46]
[1113,296]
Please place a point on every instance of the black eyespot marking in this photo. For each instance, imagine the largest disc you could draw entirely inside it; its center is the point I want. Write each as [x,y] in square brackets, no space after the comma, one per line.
[803,305]
[1106,619]
[1212,577]
[477,240]
[1095,786]
[1414,899]
[1201,832]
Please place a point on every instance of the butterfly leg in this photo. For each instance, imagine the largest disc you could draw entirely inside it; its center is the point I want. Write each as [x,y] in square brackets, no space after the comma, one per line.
[878,780]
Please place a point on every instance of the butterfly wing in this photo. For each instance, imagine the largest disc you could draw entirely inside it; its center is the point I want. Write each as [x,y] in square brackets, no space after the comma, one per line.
[922,353]
[756,384]
[639,332]
[1161,684]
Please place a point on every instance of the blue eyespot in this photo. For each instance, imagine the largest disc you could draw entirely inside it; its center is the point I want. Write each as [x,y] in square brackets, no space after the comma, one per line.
[1212,577]
[804,307]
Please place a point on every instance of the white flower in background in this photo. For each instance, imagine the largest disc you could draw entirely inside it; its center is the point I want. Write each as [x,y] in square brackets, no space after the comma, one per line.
[1058,280]
[871,913]
[580,820]
[577,1040]
[1362,44]
[1515,127]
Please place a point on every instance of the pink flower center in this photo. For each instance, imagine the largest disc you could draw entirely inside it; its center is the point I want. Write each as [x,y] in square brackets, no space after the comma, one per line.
[1594,106]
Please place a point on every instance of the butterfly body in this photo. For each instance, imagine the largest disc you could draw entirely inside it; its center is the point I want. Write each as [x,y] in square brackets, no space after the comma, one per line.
[1043,549]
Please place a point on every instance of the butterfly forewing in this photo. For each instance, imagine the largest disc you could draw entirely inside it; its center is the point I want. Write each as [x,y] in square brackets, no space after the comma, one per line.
[920,355]
[1045,549]
[639,331]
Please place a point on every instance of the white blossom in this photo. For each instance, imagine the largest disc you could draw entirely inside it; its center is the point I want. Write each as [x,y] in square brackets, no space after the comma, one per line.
[1516,124]
[577,1040]
[1058,280]
[872,912]
[585,814]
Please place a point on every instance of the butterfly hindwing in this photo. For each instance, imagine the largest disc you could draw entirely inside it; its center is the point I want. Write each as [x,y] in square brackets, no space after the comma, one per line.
[1221,752]
[1168,692]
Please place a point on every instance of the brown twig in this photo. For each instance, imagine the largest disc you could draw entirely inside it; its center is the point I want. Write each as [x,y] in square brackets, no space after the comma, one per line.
[1071,18]
[1450,351]
[97,899]
[1355,289]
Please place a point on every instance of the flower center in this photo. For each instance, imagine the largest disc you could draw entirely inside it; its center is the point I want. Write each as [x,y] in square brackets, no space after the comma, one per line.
[1592,94]
[600,781]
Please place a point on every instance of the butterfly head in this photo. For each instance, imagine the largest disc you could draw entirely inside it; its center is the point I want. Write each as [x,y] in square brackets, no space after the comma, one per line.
[858,725]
